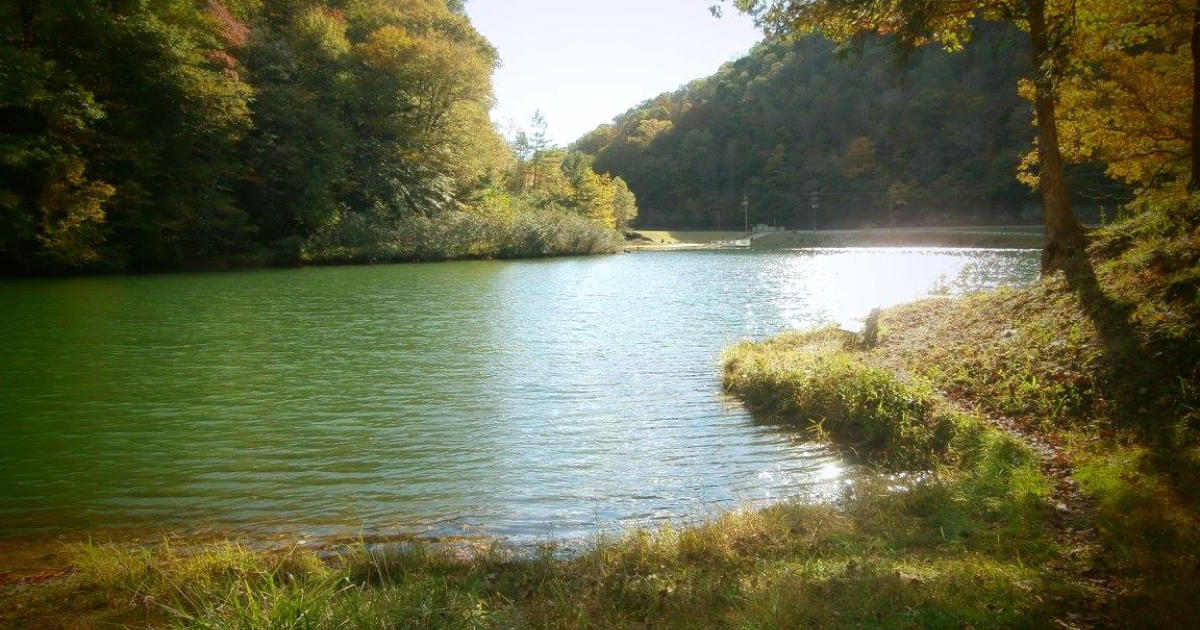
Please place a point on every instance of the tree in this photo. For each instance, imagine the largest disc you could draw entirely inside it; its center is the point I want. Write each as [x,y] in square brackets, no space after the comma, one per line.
[953,126]
[51,208]
[538,142]
[1194,49]
[145,113]
[779,187]
[625,208]
[1127,99]
[950,22]
[297,154]
[173,133]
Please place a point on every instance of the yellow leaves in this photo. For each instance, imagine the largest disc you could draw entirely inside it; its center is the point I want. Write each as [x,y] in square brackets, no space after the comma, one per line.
[1121,24]
[425,75]
[423,38]
[648,130]
[946,22]
[599,193]
[444,69]
[386,47]
[555,178]
[1127,100]
[444,85]
[479,150]
[624,206]
[323,32]
[1027,169]
[859,158]
[605,199]
[496,202]
[413,15]
[72,214]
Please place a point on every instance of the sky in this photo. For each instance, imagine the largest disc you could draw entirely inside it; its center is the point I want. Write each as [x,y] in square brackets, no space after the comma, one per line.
[583,62]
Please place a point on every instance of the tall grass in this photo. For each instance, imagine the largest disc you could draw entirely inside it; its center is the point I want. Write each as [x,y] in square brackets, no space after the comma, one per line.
[524,233]
[885,558]
[818,380]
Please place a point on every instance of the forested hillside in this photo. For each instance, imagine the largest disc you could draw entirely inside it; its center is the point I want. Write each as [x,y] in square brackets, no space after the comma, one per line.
[176,133]
[935,138]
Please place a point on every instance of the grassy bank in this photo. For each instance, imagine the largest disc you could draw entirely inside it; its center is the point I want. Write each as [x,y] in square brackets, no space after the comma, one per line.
[881,560]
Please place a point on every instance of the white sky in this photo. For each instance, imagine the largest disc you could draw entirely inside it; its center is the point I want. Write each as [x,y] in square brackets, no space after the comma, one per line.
[583,62]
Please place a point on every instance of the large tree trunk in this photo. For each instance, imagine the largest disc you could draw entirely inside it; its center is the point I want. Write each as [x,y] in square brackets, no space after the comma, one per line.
[1065,240]
[1194,183]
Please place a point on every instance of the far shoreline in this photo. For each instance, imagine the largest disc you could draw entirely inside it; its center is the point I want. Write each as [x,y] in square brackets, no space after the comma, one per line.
[989,237]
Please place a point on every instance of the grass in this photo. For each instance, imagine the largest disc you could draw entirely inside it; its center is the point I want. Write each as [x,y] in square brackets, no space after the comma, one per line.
[1118,400]
[1030,459]
[868,410]
[881,560]
[1095,368]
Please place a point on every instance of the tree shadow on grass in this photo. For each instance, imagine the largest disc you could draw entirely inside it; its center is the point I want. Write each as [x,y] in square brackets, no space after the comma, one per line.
[1141,381]
[1145,504]
[1149,383]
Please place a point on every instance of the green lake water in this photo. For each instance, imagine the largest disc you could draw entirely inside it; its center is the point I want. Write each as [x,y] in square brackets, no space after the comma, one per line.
[528,399]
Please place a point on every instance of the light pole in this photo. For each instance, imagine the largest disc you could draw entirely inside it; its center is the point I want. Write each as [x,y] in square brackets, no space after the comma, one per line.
[814,202]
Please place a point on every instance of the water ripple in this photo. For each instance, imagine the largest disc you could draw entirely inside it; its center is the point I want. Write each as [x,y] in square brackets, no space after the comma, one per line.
[519,399]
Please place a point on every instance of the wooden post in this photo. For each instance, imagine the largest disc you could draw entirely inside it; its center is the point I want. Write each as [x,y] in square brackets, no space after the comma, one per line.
[870,333]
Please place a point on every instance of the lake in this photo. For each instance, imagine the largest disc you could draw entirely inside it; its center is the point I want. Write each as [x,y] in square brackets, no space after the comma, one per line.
[527,399]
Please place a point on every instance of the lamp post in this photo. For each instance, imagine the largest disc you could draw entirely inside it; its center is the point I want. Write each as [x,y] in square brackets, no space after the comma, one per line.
[814,202]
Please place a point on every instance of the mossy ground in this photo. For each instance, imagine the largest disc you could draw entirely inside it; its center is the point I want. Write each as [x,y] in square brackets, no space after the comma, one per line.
[1032,462]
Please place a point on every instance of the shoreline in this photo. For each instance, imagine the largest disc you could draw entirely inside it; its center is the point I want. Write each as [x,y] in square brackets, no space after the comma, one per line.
[982,237]
[270,263]
[962,237]
[23,555]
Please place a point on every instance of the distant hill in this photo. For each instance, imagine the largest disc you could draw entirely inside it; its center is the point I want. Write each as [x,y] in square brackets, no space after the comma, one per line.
[872,140]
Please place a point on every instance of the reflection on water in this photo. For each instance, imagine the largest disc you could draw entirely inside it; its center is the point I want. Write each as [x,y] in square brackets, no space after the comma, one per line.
[842,285]
[541,398]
